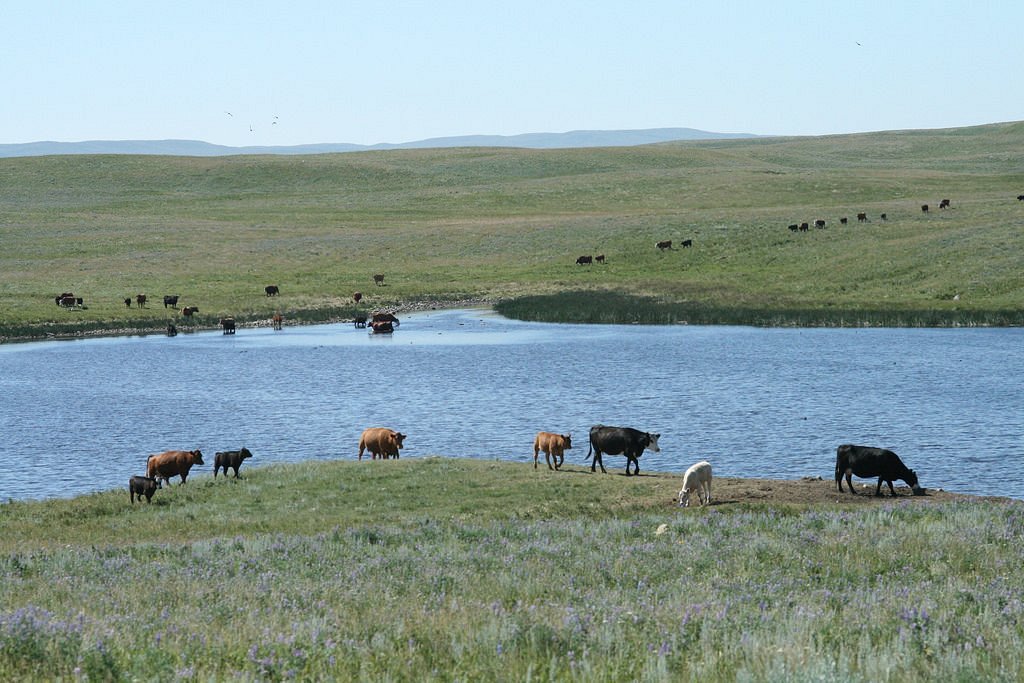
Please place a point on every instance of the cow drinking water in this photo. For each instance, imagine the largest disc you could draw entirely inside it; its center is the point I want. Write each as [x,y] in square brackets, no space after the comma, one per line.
[620,441]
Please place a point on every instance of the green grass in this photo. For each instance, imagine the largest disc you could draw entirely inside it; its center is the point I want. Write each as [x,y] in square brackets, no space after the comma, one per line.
[503,224]
[440,569]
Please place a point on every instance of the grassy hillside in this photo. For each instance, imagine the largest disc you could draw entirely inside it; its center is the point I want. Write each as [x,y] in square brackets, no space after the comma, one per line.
[444,569]
[506,223]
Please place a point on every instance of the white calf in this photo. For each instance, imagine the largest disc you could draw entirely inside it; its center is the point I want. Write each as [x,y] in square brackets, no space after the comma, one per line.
[697,478]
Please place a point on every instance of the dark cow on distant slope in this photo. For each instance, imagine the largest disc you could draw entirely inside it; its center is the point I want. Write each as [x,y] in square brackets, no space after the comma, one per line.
[664,244]
[866,462]
[171,301]
[272,290]
[620,441]
[584,260]
[232,459]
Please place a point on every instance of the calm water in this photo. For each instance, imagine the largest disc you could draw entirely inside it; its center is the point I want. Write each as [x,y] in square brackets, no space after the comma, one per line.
[82,416]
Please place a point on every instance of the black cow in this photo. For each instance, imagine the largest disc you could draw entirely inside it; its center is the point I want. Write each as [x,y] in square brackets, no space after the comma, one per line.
[272,290]
[143,486]
[924,208]
[227,325]
[620,441]
[584,260]
[865,462]
[803,227]
[1020,198]
[884,217]
[794,227]
[686,244]
[171,301]
[226,459]
[843,220]
[944,204]
[599,258]
[862,217]
[819,224]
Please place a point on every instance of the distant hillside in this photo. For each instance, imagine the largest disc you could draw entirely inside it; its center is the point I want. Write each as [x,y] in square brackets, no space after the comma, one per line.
[197,148]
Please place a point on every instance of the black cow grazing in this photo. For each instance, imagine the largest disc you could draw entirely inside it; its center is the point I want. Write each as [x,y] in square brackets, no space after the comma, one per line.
[686,244]
[140,300]
[866,462]
[843,221]
[378,279]
[272,290]
[1020,198]
[143,486]
[171,301]
[189,311]
[884,217]
[599,258]
[819,224]
[862,218]
[804,227]
[228,325]
[794,227]
[944,204]
[584,260]
[357,297]
[233,459]
[664,244]
[620,441]
[924,208]
[128,301]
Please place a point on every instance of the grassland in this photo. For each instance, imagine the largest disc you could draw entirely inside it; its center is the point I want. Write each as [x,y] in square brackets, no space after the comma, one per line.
[468,570]
[506,225]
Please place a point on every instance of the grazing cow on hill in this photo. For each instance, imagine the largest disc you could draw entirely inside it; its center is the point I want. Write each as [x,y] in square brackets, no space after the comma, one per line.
[884,217]
[140,300]
[128,301]
[697,478]
[69,301]
[381,442]
[686,244]
[378,279]
[924,208]
[1020,198]
[599,258]
[357,297]
[171,301]
[819,224]
[620,441]
[142,486]
[188,311]
[62,297]
[584,260]
[664,244]
[172,464]
[794,227]
[804,227]
[862,217]
[553,445]
[944,204]
[272,290]
[226,459]
[843,221]
[866,462]
[227,325]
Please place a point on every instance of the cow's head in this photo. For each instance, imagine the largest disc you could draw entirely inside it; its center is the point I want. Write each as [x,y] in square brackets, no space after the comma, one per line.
[567,441]
[197,457]
[911,480]
[652,442]
[244,453]
[399,438]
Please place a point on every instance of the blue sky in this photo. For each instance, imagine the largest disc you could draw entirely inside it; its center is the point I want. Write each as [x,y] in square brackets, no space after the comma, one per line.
[296,72]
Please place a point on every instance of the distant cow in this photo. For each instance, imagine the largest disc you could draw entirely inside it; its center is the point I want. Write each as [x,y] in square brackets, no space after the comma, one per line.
[843,221]
[553,445]
[924,208]
[171,301]
[1020,198]
[142,486]
[357,297]
[862,217]
[172,330]
[584,260]
[378,279]
[227,325]
[189,310]
[819,224]
[697,478]
[128,301]
[226,459]
[172,464]
[944,204]
[272,290]
[884,217]
[686,244]
[68,301]
[60,298]
[140,300]
[794,227]
[277,321]
[866,462]
[599,258]
[664,244]
[804,227]
[620,441]
[381,442]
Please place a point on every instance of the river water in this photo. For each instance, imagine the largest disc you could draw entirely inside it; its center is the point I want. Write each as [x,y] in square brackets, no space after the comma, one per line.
[81,416]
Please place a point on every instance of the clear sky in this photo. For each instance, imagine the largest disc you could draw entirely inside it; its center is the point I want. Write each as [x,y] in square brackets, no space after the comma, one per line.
[292,72]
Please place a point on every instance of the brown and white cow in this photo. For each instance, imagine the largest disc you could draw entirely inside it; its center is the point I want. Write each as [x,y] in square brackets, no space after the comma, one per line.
[381,442]
[553,445]
[664,244]
[172,464]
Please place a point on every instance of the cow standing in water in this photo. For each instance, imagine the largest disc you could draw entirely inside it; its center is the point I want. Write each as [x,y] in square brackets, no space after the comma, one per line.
[620,441]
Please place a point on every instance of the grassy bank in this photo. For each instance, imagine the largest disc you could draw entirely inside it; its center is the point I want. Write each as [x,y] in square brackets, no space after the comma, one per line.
[506,224]
[439,569]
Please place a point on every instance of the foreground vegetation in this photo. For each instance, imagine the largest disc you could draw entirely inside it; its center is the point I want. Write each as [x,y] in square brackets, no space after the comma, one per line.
[439,569]
[508,224]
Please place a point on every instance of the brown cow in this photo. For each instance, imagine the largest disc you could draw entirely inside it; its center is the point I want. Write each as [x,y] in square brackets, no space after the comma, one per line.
[172,464]
[189,310]
[599,258]
[381,442]
[277,321]
[140,300]
[862,217]
[664,244]
[553,445]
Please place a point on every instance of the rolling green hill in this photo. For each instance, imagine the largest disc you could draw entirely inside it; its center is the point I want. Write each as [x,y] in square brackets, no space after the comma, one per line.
[508,224]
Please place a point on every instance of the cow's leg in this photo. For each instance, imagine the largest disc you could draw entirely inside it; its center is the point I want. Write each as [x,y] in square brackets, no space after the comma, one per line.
[849,482]
[891,489]
[878,489]
[536,456]
[560,460]
[547,458]
[183,477]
